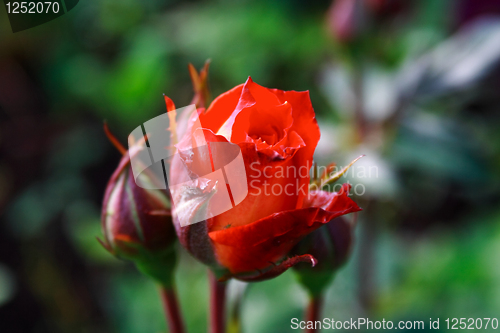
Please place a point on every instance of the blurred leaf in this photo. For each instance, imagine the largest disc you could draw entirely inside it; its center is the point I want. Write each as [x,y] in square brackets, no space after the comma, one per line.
[249,38]
[447,274]
[438,148]
[457,64]
[263,309]
[140,78]
[82,222]
[8,284]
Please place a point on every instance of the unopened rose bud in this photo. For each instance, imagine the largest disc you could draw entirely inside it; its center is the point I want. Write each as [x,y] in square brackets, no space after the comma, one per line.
[330,245]
[137,223]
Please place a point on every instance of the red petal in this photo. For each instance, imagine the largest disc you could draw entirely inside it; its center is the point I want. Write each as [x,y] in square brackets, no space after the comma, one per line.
[304,119]
[221,109]
[265,191]
[305,124]
[254,246]
[275,270]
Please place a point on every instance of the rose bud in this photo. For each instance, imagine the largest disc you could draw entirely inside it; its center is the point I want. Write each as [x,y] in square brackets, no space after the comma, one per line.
[137,222]
[277,133]
[330,245]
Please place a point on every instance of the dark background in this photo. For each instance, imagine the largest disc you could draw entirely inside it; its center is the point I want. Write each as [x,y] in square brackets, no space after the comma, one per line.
[414,85]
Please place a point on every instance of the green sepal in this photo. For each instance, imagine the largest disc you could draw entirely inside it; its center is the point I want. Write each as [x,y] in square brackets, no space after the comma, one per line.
[314,281]
[159,266]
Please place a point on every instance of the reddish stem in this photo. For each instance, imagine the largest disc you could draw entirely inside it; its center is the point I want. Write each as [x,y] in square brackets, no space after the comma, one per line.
[314,312]
[217,304]
[172,310]
[359,112]
[368,239]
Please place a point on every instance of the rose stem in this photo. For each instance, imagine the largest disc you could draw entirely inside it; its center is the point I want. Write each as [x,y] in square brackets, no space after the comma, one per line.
[313,311]
[217,304]
[359,112]
[369,231]
[172,310]
[368,239]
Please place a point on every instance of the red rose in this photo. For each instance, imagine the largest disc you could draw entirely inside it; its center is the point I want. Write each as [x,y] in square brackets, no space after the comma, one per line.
[277,133]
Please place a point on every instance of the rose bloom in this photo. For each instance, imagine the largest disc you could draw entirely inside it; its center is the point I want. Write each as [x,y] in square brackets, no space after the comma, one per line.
[276,131]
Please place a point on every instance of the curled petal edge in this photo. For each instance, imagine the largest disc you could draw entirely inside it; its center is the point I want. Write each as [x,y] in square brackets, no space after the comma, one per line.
[274,271]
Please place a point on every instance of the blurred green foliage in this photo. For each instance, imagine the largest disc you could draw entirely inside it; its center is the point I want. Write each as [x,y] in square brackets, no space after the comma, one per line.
[429,99]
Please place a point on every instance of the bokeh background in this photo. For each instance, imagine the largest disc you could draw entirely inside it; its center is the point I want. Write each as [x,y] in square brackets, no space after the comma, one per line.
[414,85]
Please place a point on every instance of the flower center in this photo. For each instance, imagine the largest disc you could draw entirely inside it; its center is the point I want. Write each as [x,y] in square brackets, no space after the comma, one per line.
[269,134]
